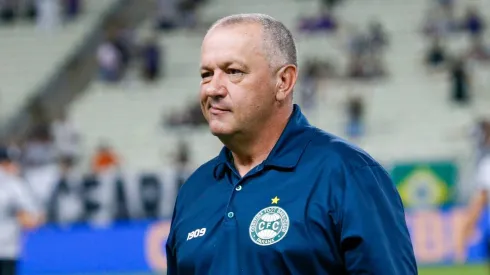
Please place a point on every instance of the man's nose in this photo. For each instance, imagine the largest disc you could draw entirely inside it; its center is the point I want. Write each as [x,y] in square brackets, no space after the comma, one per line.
[216,87]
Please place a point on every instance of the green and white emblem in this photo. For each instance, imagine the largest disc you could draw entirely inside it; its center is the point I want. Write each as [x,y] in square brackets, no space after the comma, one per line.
[269,226]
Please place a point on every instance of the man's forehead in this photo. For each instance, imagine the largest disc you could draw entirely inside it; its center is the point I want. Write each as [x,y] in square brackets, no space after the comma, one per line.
[243,28]
[246,36]
[238,44]
[222,61]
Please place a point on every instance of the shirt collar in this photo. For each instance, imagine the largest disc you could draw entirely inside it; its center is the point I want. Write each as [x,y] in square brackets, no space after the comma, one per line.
[286,153]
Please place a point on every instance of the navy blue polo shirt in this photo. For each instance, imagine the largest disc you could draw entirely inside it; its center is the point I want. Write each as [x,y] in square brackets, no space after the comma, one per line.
[316,205]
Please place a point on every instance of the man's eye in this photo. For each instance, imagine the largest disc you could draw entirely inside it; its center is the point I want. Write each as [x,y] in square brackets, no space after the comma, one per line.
[205,75]
[234,71]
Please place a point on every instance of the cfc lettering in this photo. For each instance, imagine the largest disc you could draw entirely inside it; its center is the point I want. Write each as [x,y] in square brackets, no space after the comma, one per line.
[196,233]
[275,225]
[261,225]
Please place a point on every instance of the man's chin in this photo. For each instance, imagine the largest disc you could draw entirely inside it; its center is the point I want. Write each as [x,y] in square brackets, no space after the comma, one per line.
[220,130]
[220,133]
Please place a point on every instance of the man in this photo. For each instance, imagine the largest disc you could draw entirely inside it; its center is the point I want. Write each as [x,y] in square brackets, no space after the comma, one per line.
[17,211]
[282,197]
[479,201]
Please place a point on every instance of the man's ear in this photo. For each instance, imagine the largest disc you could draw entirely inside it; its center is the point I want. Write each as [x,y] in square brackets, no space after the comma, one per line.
[286,79]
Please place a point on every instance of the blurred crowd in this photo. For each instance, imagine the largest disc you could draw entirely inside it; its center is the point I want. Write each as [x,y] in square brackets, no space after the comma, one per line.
[175,14]
[47,14]
[365,49]
[70,185]
[50,157]
[120,50]
[441,27]
[123,50]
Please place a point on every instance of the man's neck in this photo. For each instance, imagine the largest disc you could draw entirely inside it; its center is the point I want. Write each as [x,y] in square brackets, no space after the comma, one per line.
[250,151]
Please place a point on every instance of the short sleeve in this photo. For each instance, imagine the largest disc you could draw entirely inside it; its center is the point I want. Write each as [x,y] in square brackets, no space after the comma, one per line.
[483,173]
[374,236]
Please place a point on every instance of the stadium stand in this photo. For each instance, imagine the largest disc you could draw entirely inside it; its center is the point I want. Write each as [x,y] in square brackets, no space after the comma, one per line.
[407,113]
[34,54]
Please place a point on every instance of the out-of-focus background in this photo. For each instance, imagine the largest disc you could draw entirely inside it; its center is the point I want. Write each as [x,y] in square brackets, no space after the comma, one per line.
[99,97]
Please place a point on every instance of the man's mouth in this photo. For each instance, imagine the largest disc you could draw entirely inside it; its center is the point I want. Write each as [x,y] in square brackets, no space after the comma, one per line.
[217,110]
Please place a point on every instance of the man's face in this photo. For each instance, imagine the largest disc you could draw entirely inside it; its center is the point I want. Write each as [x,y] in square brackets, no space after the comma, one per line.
[237,88]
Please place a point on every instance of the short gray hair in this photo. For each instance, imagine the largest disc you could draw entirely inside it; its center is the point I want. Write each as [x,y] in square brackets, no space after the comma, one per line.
[278,41]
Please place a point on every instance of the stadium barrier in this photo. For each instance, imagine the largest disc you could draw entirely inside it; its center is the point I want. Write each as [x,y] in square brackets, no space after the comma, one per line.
[139,247]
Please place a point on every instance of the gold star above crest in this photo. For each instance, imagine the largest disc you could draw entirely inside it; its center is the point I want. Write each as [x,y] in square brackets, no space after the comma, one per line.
[275,200]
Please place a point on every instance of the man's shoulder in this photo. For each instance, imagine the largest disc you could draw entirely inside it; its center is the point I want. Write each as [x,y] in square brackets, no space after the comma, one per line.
[334,149]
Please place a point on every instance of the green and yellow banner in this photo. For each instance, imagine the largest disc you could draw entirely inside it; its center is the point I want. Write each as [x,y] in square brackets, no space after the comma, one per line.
[426,184]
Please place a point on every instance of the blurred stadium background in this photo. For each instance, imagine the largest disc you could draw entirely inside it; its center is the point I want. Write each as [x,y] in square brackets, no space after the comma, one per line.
[100,99]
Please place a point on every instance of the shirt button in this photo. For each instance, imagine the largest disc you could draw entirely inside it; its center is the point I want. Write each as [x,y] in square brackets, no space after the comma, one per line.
[238,188]
[231,215]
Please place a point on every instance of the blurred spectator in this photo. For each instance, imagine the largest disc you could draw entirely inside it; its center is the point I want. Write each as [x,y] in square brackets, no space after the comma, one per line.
[7,10]
[151,55]
[183,163]
[366,52]
[188,12]
[110,62]
[481,133]
[357,43]
[309,85]
[377,37]
[365,59]
[72,8]
[439,20]
[39,150]
[18,211]
[39,163]
[357,49]
[167,13]
[150,196]
[14,149]
[355,68]
[436,55]
[325,21]
[460,81]
[104,159]
[355,117]
[315,70]
[48,14]
[448,8]
[330,4]
[66,137]
[65,204]
[478,51]
[474,22]
[30,10]
[446,4]
[123,40]
[377,41]
[115,53]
